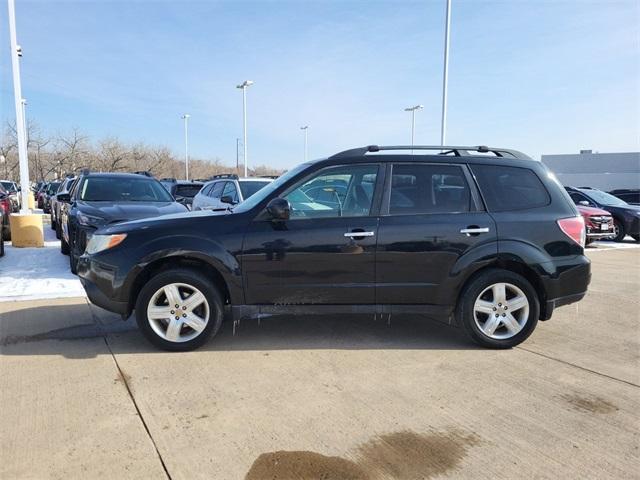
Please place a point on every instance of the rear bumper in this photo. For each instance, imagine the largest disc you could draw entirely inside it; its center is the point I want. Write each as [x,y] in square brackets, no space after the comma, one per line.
[568,285]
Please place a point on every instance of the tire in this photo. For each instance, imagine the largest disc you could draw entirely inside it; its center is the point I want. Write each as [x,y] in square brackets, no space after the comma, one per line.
[58,231]
[73,261]
[518,291]
[53,224]
[64,246]
[1,246]
[152,294]
[618,228]
[636,238]
[6,233]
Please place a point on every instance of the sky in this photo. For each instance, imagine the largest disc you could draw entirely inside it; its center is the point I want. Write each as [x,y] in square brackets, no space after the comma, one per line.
[538,76]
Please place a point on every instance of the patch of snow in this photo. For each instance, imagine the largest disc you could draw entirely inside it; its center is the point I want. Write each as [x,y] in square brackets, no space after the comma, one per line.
[35,273]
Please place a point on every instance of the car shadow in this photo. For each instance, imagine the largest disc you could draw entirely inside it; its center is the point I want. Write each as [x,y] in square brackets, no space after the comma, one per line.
[70,324]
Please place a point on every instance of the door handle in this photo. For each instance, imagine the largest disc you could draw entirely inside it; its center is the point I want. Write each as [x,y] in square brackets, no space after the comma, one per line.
[359,234]
[474,230]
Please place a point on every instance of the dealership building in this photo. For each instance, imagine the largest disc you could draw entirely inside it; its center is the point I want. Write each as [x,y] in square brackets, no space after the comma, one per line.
[605,171]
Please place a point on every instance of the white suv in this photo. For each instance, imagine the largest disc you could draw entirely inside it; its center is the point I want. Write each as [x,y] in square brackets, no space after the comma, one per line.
[227,190]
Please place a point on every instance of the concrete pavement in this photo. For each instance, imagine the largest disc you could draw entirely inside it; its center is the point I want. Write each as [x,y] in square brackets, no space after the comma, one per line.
[85,396]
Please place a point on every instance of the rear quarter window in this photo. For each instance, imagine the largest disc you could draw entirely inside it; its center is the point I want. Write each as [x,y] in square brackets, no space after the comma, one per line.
[510,188]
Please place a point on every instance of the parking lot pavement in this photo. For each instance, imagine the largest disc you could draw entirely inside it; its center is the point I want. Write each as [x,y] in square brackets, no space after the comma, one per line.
[347,398]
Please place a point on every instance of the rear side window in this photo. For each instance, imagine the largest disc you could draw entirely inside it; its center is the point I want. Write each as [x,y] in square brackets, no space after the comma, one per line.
[216,191]
[510,188]
[423,188]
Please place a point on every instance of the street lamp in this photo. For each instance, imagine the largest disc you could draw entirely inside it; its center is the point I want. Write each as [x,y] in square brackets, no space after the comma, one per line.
[243,86]
[306,138]
[413,119]
[16,52]
[445,76]
[185,117]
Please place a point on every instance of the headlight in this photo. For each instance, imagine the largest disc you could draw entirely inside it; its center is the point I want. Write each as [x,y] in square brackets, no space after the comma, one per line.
[88,220]
[98,243]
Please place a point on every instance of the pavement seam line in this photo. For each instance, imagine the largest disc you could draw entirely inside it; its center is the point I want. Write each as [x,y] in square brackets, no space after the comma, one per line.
[520,347]
[130,393]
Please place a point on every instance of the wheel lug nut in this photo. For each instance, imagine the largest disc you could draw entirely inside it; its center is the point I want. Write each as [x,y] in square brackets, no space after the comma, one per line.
[504,314]
[184,315]
[494,309]
[172,312]
[497,315]
[184,308]
[499,304]
[177,305]
[177,318]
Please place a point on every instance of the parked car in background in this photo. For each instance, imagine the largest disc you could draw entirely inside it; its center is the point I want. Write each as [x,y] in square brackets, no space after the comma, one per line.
[482,238]
[626,217]
[64,187]
[6,209]
[50,191]
[227,190]
[598,222]
[1,235]
[36,186]
[39,195]
[183,190]
[629,195]
[14,194]
[100,199]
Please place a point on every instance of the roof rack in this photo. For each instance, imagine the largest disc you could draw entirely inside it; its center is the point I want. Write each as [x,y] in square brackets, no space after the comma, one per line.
[443,149]
[269,176]
[224,175]
[144,173]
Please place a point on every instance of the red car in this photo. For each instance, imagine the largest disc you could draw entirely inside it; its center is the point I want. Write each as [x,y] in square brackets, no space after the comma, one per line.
[599,223]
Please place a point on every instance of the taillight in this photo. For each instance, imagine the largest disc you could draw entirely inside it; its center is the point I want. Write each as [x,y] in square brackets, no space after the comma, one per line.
[573,227]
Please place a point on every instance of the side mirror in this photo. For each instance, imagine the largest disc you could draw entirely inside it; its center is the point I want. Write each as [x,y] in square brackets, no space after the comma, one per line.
[227,199]
[180,200]
[64,197]
[279,209]
[584,203]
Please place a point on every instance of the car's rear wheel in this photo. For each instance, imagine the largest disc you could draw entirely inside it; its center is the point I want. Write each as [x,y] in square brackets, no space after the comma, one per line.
[58,231]
[618,230]
[498,309]
[1,246]
[73,261]
[64,246]
[179,310]
[53,223]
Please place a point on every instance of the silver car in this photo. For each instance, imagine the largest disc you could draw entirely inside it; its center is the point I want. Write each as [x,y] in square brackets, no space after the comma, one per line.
[224,191]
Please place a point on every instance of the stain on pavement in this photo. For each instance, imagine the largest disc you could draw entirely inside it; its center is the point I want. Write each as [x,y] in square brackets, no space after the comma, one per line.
[589,404]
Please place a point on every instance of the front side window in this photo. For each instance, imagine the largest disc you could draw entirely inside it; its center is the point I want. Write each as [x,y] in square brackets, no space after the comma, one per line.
[424,188]
[249,188]
[578,197]
[605,198]
[216,191]
[510,188]
[231,191]
[345,191]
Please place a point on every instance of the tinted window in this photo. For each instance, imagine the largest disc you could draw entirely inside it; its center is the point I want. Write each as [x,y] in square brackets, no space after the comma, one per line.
[249,188]
[126,189]
[424,188]
[578,197]
[353,199]
[216,191]
[187,190]
[230,190]
[510,188]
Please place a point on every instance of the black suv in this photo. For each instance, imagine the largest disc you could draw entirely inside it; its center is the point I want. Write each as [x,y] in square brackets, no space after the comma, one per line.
[99,199]
[476,237]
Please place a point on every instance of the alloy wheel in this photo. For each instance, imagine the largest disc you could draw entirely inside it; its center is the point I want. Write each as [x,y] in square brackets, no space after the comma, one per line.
[501,311]
[178,312]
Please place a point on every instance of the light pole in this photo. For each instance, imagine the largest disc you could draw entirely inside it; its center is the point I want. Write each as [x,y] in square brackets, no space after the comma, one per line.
[243,86]
[413,119]
[23,102]
[306,138]
[16,52]
[185,117]
[445,76]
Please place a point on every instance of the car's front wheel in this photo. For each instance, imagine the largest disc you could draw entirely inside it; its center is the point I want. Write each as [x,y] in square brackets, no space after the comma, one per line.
[179,310]
[498,309]
[619,232]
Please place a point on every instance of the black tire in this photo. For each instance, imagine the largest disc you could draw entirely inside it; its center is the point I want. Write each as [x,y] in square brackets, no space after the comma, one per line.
[619,229]
[636,237]
[64,247]
[6,233]
[53,224]
[472,290]
[58,231]
[189,277]
[1,246]
[73,261]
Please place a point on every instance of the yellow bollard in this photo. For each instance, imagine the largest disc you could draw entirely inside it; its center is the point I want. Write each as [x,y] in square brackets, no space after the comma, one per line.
[26,230]
[32,202]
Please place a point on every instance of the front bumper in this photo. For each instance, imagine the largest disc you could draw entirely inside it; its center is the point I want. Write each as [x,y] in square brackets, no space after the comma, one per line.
[97,297]
[102,284]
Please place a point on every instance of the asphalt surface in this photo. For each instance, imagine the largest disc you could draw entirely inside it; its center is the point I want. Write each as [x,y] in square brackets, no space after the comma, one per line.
[82,395]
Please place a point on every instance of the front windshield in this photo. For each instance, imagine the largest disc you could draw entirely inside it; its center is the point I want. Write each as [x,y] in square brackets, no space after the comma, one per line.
[605,198]
[263,193]
[123,189]
[9,186]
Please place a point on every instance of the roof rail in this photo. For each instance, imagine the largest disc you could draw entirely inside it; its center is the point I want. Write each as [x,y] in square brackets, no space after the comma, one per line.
[144,173]
[443,149]
[224,175]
